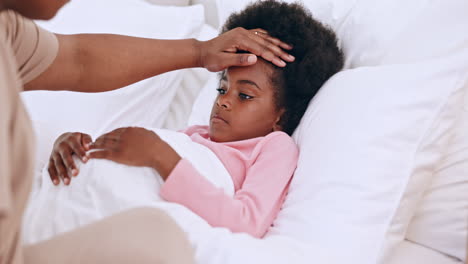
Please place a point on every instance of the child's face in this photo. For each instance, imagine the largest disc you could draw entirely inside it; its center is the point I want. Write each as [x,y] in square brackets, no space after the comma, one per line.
[245,106]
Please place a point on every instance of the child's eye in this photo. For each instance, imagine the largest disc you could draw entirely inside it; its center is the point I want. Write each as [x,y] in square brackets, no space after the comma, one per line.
[221,91]
[245,96]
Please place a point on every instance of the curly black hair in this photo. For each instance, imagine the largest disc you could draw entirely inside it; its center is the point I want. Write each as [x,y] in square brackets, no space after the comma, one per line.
[314,47]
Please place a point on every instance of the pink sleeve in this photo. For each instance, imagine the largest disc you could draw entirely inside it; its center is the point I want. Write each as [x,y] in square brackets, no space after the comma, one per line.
[193,129]
[254,206]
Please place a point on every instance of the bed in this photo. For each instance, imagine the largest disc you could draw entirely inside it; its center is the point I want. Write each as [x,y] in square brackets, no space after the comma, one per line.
[383,169]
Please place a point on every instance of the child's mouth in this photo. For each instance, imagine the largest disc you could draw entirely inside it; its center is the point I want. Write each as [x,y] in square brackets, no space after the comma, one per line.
[218,119]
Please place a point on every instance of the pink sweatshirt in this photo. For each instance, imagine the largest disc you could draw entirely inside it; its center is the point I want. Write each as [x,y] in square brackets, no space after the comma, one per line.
[261,169]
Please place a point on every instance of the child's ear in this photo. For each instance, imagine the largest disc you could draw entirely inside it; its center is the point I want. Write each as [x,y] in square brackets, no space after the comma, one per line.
[278,122]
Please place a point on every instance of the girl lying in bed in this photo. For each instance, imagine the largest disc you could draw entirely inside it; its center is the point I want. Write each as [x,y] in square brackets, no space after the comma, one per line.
[257,109]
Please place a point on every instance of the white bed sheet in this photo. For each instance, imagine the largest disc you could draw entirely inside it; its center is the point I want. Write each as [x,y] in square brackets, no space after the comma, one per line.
[104,188]
[212,245]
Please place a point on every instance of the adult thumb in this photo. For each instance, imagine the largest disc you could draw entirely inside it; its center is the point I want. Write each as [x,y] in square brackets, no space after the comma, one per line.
[243,59]
[229,60]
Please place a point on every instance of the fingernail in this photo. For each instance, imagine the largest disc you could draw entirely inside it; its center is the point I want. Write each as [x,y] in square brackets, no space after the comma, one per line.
[66,181]
[282,63]
[56,182]
[74,172]
[251,58]
[85,159]
[291,57]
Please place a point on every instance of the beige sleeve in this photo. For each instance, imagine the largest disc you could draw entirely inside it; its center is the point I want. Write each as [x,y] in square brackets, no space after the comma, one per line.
[5,161]
[7,88]
[34,48]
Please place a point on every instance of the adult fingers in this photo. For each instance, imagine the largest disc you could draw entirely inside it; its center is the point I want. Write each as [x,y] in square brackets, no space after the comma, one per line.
[264,34]
[235,59]
[264,49]
[53,172]
[261,44]
[61,170]
[265,40]
[274,45]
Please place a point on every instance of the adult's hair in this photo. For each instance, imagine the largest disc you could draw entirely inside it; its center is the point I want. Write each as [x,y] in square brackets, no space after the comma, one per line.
[314,47]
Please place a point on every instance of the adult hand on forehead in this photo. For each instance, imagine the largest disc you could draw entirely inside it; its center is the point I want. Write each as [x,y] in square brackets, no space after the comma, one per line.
[221,52]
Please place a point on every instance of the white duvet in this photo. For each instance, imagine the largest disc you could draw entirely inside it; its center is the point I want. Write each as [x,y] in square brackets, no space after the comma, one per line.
[104,187]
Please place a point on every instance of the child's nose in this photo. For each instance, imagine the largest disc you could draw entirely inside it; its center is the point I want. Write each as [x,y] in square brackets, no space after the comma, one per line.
[223,101]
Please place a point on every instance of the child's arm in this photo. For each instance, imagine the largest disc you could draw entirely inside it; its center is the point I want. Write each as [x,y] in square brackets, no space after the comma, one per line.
[133,146]
[136,146]
[254,206]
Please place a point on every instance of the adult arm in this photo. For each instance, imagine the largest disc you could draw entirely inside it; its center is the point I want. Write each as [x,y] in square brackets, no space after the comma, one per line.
[103,62]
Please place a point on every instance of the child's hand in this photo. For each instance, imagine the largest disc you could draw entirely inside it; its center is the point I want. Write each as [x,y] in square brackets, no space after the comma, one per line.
[61,164]
[136,146]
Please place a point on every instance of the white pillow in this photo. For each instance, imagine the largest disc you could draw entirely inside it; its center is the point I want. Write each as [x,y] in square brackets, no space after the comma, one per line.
[169,2]
[226,7]
[142,104]
[390,31]
[441,219]
[211,11]
[360,141]
[193,80]
[411,253]
[139,104]
[201,109]
[331,12]
[127,17]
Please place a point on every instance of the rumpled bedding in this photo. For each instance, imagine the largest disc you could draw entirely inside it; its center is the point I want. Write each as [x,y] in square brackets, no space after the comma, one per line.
[103,188]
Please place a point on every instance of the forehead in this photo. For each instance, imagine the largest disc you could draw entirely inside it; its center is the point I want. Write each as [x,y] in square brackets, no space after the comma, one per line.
[260,72]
